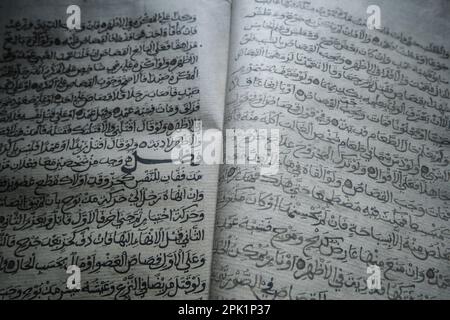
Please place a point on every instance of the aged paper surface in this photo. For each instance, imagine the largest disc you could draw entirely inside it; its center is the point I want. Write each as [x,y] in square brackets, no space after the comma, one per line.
[86,123]
[362,193]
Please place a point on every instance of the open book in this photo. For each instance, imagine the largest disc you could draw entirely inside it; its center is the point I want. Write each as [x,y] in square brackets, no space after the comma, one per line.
[350,198]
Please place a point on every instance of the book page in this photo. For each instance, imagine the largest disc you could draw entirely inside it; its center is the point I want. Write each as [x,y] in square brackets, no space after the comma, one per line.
[359,206]
[91,204]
